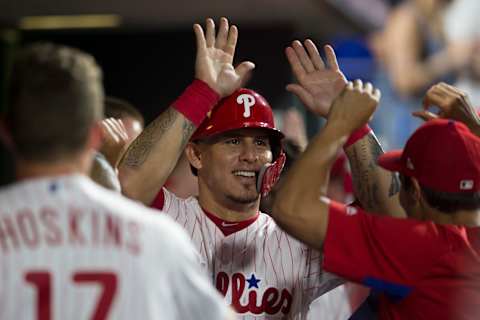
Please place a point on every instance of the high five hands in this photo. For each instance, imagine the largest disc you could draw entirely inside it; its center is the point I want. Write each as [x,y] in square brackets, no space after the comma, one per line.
[214,60]
[318,83]
[354,107]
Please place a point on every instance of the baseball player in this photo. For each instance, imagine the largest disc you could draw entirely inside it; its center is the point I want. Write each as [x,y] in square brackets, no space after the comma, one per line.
[425,267]
[262,272]
[70,249]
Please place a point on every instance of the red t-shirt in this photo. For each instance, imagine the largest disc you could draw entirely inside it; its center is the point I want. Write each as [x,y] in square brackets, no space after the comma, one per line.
[423,270]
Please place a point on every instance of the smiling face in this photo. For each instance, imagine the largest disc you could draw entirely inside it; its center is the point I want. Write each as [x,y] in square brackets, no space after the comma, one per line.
[228,165]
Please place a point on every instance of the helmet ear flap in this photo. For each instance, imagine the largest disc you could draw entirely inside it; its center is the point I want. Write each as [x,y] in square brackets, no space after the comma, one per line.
[269,175]
[276,147]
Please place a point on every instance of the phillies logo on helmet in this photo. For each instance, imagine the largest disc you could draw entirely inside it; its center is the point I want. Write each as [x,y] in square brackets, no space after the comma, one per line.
[248,101]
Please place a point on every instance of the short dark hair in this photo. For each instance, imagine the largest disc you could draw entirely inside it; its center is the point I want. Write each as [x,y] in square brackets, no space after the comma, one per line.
[55,96]
[119,108]
[446,202]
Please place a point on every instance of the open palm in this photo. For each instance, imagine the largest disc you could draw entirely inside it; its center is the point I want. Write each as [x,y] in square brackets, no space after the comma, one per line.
[215,57]
[318,85]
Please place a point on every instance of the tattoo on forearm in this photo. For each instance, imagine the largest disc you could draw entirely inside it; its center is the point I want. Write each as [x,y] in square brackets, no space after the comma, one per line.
[364,170]
[138,152]
[377,151]
[188,129]
[364,165]
[394,185]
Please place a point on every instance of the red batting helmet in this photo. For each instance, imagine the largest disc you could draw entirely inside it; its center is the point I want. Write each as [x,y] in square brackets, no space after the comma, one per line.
[244,108]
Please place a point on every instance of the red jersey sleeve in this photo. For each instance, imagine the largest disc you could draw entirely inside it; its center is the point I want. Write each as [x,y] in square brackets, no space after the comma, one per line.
[385,253]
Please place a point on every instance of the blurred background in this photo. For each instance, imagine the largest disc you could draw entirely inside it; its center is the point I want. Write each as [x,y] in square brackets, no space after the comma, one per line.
[146,48]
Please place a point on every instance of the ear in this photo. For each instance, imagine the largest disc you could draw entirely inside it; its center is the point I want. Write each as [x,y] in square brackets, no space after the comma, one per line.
[194,155]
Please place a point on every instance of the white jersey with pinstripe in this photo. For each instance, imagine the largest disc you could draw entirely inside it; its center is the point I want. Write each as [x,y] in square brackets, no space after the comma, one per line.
[70,249]
[262,271]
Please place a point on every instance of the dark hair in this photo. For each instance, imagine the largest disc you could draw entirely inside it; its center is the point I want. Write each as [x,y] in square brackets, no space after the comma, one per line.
[55,96]
[445,201]
[118,109]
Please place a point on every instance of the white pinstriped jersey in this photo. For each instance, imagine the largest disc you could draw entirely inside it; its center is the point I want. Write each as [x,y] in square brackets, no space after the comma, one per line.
[262,272]
[70,249]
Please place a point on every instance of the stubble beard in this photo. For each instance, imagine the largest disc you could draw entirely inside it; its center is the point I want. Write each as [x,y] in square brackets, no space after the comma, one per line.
[246,198]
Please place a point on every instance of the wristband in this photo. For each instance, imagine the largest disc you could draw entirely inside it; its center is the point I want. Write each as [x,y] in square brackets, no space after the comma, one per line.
[196,101]
[357,135]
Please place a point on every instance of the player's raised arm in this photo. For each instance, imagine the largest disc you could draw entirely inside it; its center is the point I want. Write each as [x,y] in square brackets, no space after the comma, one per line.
[152,156]
[301,207]
[319,83]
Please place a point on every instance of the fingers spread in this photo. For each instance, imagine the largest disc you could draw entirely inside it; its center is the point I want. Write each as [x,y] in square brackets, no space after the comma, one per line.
[314,54]
[221,41]
[210,33]
[244,68]
[331,58]
[232,40]
[303,56]
[295,63]
[200,37]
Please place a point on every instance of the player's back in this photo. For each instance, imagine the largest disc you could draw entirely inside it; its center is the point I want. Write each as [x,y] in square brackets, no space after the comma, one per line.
[72,250]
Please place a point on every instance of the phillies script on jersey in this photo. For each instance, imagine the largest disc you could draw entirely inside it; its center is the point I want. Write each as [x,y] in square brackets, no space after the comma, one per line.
[262,272]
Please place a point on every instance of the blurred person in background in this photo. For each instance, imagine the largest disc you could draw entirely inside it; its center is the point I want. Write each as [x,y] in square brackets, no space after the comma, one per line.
[122,124]
[462,31]
[412,54]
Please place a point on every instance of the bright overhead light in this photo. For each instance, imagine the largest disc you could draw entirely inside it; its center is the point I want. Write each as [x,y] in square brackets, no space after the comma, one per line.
[70,21]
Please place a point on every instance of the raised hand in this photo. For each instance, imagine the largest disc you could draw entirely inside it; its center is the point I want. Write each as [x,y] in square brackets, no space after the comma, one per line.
[318,84]
[215,57]
[452,103]
[354,107]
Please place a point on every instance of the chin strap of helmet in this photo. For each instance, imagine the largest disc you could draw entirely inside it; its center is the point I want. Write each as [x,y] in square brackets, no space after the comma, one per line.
[269,175]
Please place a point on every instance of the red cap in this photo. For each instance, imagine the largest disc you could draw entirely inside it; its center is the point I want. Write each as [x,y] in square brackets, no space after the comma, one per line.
[442,155]
[244,108]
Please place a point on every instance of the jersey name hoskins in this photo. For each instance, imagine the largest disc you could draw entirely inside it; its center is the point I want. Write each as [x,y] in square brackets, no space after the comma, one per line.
[272,301]
[30,229]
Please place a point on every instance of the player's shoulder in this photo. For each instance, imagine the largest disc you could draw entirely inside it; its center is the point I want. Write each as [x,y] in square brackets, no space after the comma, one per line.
[159,227]
[115,203]
[174,203]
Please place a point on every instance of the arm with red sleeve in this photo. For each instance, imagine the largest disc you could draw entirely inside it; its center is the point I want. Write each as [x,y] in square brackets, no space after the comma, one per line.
[300,207]
[388,254]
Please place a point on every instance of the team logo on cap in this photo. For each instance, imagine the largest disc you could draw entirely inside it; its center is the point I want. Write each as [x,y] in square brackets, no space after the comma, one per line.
[248,101]
[466,185]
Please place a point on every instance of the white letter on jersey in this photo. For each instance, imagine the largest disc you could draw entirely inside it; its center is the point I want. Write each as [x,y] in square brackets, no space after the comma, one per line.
[248,101]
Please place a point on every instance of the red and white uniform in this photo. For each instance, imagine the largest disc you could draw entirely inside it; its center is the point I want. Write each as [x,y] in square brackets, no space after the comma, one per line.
[70,249]
[262,272]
